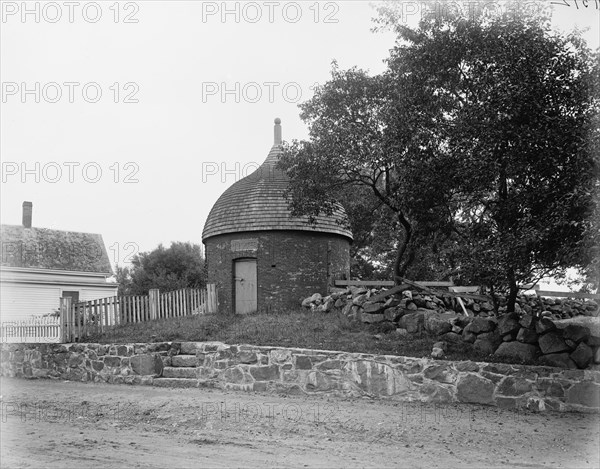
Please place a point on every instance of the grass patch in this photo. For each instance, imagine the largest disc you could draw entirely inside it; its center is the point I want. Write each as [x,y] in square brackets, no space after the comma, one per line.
[299,328]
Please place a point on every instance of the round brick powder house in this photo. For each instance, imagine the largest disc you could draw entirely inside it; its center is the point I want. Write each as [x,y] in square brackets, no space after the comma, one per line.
[261,258]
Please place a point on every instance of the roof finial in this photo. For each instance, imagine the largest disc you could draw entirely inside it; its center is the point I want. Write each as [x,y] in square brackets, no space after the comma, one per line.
[277,131]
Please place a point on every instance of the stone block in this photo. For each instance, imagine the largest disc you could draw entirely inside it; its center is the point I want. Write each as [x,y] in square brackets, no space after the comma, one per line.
[583,355]
[436,325]
[412,322]
[544,325]
[517,350]
[508,323]
[527,321]
[484,346]
[175,383]
[303,362]
[265,373]
[474,389]
[479,325]
[585,393]
[468,336]
[188,348]
[451,337]
[247,357]
[392,314]
[177,372]
[373,307]
[147,365]
[371,318]
[552,342]
[527,336]
[576,333]
[184,360]
[511,386]
[558,360]
[112,361]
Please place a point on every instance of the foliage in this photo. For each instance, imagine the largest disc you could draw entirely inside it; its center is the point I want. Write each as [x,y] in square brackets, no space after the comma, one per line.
[123,278]
[179,266]
[480,139]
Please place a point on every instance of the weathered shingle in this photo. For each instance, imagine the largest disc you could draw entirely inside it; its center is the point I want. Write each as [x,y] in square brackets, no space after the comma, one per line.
[257,203]
[44,248]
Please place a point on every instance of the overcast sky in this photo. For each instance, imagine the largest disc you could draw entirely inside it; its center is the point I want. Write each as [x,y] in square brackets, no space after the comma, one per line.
[149,110]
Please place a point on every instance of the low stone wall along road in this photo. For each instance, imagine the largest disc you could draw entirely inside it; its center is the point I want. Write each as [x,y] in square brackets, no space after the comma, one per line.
[56,424]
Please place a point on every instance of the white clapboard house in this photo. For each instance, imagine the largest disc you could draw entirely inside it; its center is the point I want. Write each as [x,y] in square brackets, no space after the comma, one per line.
[41,265]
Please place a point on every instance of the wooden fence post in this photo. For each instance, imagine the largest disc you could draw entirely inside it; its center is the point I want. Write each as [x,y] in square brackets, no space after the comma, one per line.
[65,319]
[153,294]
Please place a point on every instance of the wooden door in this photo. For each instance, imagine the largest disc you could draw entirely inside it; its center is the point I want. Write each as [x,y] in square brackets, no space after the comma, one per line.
[245,286]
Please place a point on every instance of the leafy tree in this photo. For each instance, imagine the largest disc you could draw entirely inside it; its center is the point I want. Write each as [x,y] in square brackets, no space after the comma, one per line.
[482,134]
[123,278]
[353,149]
[179,266]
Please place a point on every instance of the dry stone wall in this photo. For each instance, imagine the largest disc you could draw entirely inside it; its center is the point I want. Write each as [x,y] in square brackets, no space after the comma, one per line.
[301,371]
[537,331]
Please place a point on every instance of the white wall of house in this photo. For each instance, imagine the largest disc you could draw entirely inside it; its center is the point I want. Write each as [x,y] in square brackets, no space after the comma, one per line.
[34,292]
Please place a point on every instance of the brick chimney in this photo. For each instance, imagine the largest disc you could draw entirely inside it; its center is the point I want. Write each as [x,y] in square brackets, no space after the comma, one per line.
[27,210]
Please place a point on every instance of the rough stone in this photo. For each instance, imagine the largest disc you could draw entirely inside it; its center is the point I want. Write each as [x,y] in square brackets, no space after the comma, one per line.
[558,360]
[508,323]
[373,307]
[371,318]
[593,341]
[583,355]
[552,342]
[544,325]
[469,336]
[527,336]
[517,350]
[585,393]
[247,357]
[484,346]
[147,365]
[112,361]
[479,325]
[527,321]
[392,314]
[412,322]
[184,360]
[576,333]
[265,373]
[451,337]
[436,325]
[475,389]
[514,386]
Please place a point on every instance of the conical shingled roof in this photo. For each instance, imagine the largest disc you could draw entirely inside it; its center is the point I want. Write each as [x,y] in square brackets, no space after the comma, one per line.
[257,203]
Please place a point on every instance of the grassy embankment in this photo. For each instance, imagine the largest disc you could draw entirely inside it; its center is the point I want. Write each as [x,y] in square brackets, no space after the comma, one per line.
[300,328]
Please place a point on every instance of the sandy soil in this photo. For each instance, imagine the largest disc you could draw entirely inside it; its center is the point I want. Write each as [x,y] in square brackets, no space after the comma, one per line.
[64,424]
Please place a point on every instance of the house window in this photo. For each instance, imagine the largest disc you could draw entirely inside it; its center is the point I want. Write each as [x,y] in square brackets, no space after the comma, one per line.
[74,295]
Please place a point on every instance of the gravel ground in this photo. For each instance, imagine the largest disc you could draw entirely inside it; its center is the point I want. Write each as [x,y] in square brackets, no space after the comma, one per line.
[65,424]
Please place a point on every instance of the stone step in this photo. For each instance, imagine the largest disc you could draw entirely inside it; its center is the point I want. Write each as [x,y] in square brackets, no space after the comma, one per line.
[179,372]
[184,360]
[175,382]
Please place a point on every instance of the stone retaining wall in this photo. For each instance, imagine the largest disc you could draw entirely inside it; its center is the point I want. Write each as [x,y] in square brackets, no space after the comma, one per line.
[301,371]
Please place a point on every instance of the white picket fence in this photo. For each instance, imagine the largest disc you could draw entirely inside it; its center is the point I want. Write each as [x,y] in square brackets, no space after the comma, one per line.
[34,330]
[79,320]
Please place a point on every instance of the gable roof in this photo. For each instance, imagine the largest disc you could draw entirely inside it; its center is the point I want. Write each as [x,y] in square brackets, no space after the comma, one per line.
[44,248]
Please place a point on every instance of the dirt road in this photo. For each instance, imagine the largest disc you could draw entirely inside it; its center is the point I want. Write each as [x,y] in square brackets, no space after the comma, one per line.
[64,424]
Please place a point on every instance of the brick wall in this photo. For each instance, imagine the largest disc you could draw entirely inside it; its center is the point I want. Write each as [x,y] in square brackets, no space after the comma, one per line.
[291,265]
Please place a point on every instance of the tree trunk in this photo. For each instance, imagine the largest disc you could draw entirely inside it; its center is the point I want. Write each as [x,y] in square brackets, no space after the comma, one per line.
[399,266]
[512,291]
